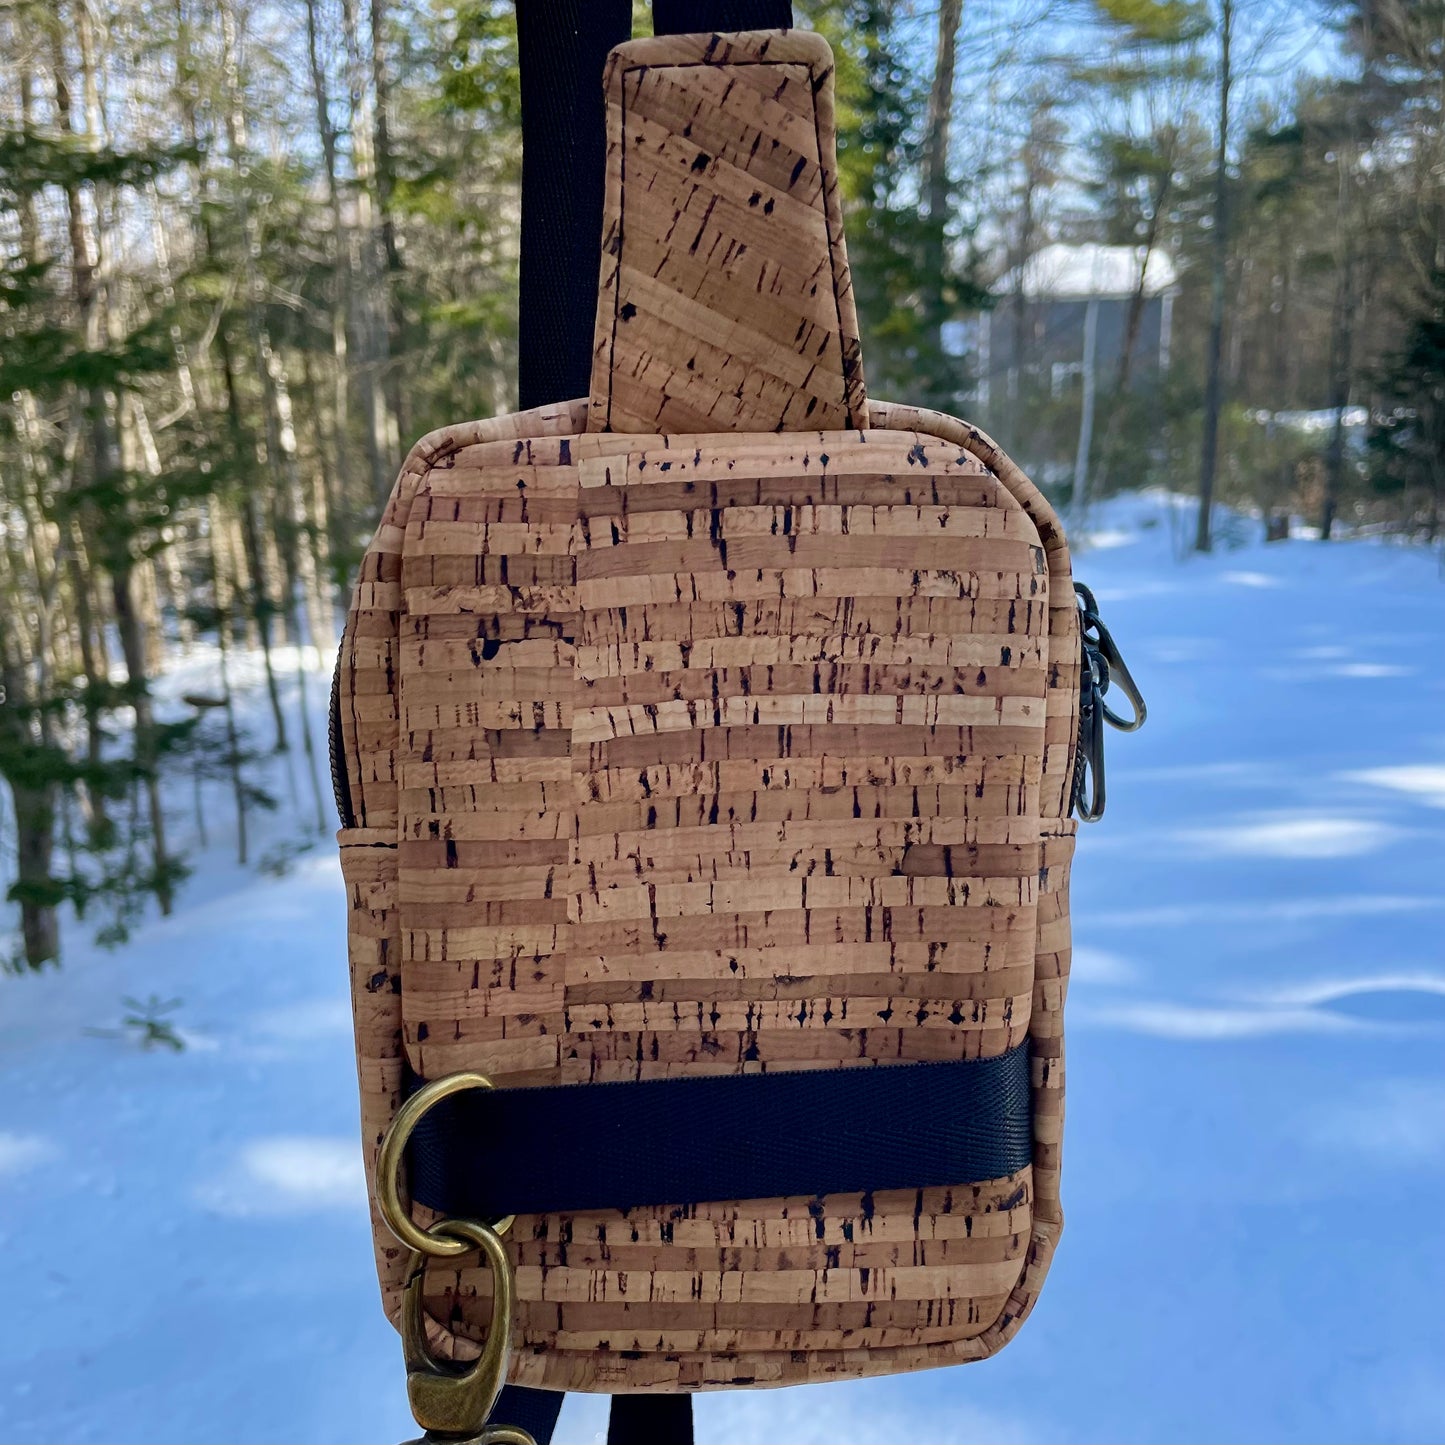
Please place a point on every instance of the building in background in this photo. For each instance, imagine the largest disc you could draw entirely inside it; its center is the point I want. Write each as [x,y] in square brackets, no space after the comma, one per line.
[1068,304]
[1057,333]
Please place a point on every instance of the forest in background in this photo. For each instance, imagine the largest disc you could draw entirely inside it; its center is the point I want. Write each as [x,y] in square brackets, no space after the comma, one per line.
[252,250]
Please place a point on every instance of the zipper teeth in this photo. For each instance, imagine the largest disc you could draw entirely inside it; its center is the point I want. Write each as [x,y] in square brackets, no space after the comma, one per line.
[340,781]
[1076,770]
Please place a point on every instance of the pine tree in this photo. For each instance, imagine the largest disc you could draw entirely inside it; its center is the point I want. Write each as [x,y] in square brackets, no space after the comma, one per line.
[1407,442]
[905,276]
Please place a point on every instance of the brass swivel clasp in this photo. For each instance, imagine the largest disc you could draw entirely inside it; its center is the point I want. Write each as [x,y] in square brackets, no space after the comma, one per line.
[450,1401]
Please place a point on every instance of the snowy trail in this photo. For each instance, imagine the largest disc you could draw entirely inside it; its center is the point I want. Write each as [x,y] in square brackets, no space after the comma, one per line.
[1256,1136]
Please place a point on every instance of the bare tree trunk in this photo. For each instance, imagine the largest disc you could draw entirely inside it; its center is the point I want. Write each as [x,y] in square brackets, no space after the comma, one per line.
[30,245]
[315,522]
[34,803]
[1037,164]
[28,741]
[261,610]
[132,643]
[297,561]
[139,452]
[936,155]
[102,409]
[340,261]
[369,314]
[1079,499]
[1341,350]
[1134,318]
[298,557]
[308,745]
[276,401]
[390,245]
[1133,323]
[222,593]
[190,403]
[240,535]
[1214,380]
[1342,337]
[95,668]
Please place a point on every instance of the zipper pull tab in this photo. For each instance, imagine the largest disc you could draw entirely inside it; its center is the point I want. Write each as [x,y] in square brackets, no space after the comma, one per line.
[1101,666]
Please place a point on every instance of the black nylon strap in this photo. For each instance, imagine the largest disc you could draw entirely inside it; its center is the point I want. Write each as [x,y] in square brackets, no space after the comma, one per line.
[693,1140]
[534,1411]
[562,48]
[650,1420]
[632,1420]
[689,17]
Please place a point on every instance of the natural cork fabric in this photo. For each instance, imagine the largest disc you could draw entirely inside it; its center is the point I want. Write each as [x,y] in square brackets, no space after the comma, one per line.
[740,747]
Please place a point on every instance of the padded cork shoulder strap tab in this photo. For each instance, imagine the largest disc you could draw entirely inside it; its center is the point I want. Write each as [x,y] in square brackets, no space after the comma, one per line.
[725,300]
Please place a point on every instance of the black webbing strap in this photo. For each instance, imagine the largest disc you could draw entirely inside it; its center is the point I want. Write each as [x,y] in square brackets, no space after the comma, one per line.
[650,1420]
[562,48]
[689,17]
[534,1411]
[696,1139]
[632,1420]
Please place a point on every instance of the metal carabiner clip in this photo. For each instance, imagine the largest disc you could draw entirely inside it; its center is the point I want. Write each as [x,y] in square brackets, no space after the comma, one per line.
[1120,677]
[1101,666]
[1088,787]
[450,1401]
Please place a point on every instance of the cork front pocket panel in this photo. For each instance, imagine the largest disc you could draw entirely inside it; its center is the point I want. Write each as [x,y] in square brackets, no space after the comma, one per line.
[723,755]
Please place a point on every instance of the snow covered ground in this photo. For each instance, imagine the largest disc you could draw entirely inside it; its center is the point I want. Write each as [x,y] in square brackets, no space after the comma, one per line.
[1256,1138]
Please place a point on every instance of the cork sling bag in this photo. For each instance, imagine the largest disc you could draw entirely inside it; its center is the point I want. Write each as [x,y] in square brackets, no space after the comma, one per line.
[706,749]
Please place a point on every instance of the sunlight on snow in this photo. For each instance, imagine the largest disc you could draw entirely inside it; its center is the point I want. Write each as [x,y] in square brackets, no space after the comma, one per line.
[289,1174]
[823,1415]
[1299,1008]
[1397,1120]
[1279,910]
[307,1019]
[1322,663]
[1252,773]
[1179,649]
[1422,781]
[1189,1021]
[1293,836]
[19,1152]
[1322,991]
[1094,965]
[1114,537]
[1370,669]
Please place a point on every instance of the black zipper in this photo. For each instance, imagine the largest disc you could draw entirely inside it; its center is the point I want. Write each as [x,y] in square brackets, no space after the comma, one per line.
[340,778]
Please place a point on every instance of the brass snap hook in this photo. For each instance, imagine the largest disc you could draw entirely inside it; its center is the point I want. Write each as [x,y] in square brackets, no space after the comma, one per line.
[388,1170]
[451,1401]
